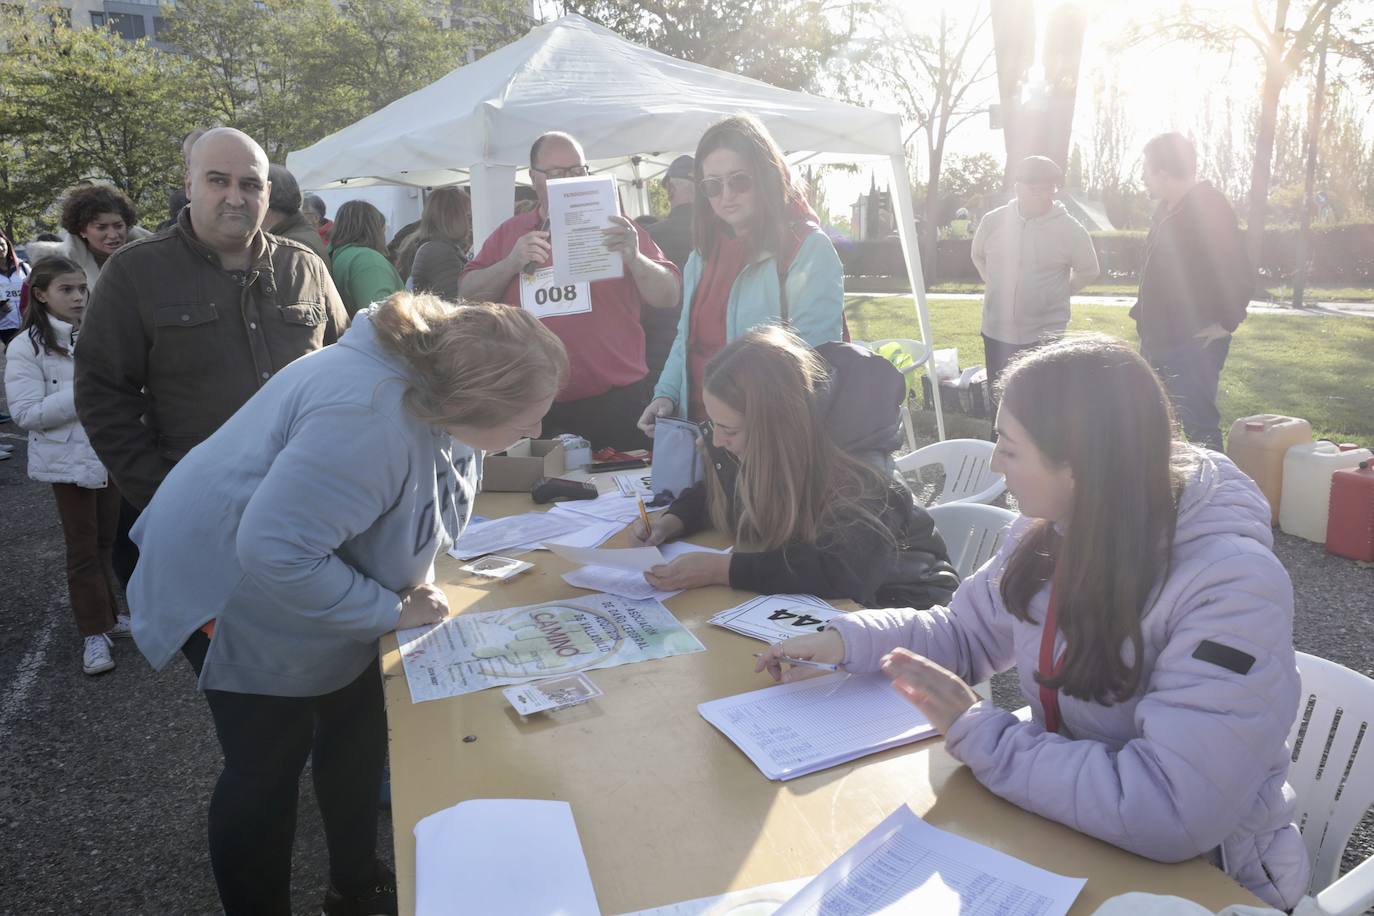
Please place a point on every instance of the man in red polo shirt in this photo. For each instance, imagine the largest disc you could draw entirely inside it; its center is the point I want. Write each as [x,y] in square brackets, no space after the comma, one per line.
[610,383]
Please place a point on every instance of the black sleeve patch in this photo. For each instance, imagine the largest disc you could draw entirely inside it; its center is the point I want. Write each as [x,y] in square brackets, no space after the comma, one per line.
[1224,656]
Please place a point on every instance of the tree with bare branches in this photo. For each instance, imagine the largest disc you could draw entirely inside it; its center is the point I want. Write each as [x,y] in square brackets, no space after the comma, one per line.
[939,73]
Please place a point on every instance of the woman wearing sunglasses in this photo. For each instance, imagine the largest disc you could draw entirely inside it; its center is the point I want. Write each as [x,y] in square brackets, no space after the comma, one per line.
[759,257]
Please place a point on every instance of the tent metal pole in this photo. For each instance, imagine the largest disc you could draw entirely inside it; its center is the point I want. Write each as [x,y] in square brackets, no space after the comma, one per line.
[906,230]
[493,199]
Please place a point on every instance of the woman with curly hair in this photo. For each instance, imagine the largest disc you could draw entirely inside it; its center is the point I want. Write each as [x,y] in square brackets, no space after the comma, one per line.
[98,220]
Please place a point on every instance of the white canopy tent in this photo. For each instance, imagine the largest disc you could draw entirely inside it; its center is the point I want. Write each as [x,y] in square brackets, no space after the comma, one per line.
[632,108]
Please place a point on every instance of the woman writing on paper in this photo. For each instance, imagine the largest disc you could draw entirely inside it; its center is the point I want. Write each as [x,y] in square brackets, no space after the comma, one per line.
[1148,619]
[759,256]
[801,475]
[280,549]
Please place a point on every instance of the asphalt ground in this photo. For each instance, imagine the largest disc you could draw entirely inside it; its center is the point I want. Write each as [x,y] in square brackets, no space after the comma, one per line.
[104,780]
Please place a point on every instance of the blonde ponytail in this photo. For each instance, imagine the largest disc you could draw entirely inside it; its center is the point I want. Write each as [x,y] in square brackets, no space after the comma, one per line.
[472,364]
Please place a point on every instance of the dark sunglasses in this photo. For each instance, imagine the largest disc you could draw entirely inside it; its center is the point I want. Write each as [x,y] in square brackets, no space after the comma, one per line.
[737,182]
[573,171]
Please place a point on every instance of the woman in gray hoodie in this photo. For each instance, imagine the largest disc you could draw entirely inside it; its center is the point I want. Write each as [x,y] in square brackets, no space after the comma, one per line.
[1149,621]
[280,549]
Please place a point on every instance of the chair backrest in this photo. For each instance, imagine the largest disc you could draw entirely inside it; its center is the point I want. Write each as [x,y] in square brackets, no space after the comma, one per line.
[917,350]
[1333,761]
[968,470]
[971,532]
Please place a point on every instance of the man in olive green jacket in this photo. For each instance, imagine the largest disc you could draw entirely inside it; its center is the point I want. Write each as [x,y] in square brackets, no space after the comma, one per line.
[284,217]
[187,325]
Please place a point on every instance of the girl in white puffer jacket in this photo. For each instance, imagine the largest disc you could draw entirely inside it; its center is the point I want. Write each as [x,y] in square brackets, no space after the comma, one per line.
[38,386]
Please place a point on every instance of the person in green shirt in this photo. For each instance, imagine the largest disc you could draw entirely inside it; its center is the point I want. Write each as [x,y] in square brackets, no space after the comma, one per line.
[357,256]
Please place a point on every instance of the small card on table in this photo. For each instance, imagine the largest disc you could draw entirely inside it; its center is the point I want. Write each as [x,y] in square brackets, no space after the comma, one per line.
[551,693]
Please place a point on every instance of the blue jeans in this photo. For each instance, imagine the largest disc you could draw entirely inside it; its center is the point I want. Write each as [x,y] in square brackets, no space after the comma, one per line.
[1191,372]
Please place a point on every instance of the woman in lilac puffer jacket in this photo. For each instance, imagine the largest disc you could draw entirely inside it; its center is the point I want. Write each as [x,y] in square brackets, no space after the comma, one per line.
[1163,683]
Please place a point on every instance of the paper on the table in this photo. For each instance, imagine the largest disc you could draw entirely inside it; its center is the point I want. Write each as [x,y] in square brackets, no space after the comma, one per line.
[579,209]
[475,651]
[638,559]
[674,549]
[513,531]
[623,582]
[593,535]
[607,507]
[754,901]
[790,730]
[493,855]
[904,865]
[628,583]
[634,484]
[773,618]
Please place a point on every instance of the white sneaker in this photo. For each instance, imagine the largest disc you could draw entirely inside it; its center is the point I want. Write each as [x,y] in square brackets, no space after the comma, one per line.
[96,658]
[122,629]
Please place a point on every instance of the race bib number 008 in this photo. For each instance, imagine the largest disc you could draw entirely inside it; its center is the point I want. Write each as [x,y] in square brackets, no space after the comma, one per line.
[544,297]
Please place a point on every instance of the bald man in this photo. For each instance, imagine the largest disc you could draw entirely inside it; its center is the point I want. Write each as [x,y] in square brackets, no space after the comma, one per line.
[191,322]
[610,383]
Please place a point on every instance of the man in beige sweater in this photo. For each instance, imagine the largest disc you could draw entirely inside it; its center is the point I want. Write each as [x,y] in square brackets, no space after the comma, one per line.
[1032,256]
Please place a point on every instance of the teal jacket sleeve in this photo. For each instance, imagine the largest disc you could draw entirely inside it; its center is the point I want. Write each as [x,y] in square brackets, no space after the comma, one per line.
[815,291]
[672,381]
[328,485]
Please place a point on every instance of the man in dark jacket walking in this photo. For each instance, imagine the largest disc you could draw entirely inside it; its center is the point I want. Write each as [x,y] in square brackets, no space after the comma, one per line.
[1194,286]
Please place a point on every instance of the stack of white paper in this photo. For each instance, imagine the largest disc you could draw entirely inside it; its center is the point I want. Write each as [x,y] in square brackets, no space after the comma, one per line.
[629,583]
[634,484]
[904,865]
[502,856]
[793,729]
[606,507]
[514,532]
[773,618]
[529,533]
[634,559]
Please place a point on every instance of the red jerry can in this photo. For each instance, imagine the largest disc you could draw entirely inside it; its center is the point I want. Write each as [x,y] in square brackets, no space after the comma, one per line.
[1350,525]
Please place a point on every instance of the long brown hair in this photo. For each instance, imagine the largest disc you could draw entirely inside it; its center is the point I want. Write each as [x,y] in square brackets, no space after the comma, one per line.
[776,195]
[447,216]
[359,223]
[1091,403]
[793,480]
[477,364]
[36,315]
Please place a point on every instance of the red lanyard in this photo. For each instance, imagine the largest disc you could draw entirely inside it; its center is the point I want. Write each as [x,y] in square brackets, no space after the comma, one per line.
[1049,699]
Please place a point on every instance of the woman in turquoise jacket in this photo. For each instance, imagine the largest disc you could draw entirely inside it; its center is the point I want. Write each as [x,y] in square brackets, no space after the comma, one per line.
[759,256]
[357,256]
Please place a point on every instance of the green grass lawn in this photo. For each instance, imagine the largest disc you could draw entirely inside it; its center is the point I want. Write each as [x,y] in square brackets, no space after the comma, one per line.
[1279,295]
[1320,368]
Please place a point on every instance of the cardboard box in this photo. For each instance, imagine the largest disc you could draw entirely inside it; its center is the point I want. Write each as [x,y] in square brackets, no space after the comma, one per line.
[520,467]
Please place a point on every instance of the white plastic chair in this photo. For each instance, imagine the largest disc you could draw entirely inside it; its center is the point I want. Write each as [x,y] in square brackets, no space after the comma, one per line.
[971,532]
[920,354]
[968,473]
[1333,723]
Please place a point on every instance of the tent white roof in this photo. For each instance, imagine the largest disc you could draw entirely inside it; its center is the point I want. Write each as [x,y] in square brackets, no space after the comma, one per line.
[632,108]
[618,98]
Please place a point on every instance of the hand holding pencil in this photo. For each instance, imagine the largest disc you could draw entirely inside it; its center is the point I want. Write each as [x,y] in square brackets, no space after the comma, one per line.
[650,532]
[805,656]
